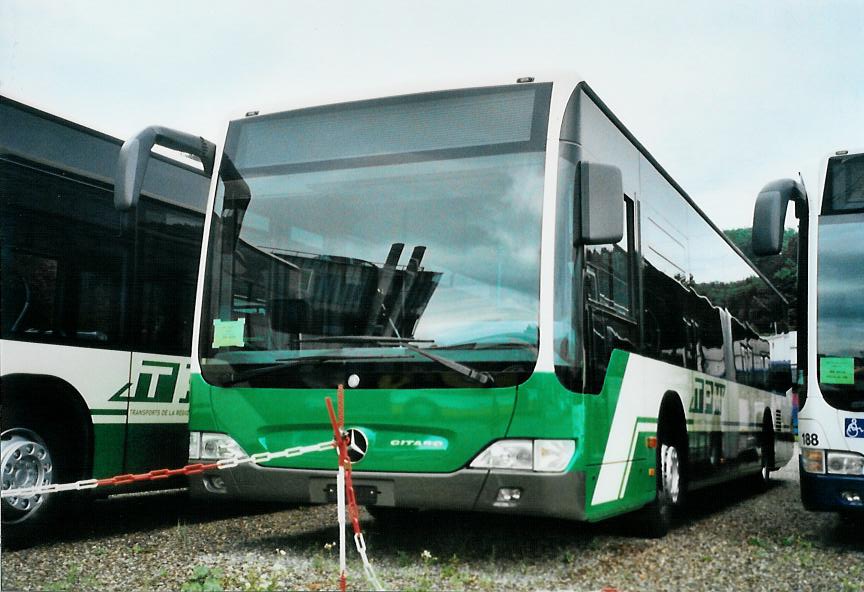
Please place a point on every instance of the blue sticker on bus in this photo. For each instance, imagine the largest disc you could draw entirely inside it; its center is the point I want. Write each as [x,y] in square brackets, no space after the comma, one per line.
[854,427]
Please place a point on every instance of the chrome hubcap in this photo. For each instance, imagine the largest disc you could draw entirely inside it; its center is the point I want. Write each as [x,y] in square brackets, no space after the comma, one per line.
[671,472]
[24,462]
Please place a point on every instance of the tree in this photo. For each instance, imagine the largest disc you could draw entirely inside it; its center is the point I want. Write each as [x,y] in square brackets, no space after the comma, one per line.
[781,270]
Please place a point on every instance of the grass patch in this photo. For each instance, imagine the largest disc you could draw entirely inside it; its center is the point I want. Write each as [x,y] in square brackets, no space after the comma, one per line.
[204,579]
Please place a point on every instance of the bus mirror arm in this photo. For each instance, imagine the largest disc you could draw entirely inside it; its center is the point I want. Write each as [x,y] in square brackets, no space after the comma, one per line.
[769,214]
[135,154]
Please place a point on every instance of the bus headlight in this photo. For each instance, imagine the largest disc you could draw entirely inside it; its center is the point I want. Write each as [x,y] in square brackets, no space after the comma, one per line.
[546,456]
[553,456]
[506,454]
[845,463]
[215,446]
[813,460]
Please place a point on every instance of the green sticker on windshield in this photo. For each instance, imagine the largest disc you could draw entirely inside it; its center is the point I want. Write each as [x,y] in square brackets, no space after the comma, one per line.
[228,333]
[837,370]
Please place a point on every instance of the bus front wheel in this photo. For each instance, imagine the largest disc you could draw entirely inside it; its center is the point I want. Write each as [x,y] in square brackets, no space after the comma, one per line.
[26,460]
[670,478]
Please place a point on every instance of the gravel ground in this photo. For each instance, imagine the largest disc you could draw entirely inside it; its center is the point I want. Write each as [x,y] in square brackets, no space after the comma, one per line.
[731,538]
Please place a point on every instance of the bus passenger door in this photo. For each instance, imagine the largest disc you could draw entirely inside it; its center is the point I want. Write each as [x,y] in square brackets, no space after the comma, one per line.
[168,240]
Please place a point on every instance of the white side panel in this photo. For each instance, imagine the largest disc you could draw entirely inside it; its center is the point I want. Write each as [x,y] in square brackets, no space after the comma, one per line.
[158,391]
[645,383]
[96,374]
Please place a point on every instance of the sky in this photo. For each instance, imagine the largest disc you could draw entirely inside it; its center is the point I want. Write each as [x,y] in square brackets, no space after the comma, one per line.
[726,95]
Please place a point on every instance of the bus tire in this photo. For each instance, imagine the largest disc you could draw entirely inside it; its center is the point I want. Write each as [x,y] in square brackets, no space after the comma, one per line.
[31,454]
[669,474]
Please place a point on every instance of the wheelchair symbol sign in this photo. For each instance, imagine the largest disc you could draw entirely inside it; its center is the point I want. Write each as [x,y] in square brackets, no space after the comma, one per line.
[854,427]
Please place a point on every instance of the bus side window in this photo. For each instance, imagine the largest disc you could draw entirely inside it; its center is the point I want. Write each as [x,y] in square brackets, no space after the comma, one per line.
[168,240]
[742,353]
[97,309]
[612,268]
[609,283]
[29,288]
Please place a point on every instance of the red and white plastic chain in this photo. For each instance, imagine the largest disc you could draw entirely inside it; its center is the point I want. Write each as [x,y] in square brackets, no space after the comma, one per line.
[345,488]
[191,469]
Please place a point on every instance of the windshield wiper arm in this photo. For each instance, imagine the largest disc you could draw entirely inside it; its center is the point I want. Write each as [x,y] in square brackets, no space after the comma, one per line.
[476,375]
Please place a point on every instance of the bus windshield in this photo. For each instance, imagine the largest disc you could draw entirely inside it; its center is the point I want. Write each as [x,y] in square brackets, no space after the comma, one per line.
[841,310]
[397,239]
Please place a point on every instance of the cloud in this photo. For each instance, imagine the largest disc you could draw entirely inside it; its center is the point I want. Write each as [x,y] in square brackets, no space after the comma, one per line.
[727,95]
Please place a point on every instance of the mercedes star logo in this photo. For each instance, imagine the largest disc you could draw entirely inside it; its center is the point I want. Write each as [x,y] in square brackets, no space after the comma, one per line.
[358,444]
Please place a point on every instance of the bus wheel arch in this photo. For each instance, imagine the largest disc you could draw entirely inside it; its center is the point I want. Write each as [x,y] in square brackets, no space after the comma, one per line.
[46,420]
[672,454]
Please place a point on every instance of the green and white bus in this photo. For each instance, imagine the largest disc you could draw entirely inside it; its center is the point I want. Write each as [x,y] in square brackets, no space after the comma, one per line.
[831,325]
[530,315]
[97,311]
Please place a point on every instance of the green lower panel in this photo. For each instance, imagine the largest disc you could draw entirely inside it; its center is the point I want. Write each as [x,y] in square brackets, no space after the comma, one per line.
[428,430]
[108,443]
[156,446]
[546,409]
[437,430]
[638,488]
[147,447]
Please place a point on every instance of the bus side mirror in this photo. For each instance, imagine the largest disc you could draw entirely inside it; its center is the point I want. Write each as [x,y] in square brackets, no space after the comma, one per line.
[600,195]
[769,214]
[135,154]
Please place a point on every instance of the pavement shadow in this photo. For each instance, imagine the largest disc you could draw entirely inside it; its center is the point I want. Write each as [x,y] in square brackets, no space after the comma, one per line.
[140,512]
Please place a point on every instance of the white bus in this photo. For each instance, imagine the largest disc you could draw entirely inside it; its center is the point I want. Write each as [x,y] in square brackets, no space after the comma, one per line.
[97,309]
[531,315]
[831,325]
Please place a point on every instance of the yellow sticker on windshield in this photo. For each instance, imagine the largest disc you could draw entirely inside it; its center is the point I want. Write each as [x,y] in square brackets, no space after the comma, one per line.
[228,333]
[837,370]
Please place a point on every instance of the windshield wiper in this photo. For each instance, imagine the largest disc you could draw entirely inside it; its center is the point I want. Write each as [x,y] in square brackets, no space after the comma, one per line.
[286,363]
[373,339]
[407,342]
[476,375]
[490,345]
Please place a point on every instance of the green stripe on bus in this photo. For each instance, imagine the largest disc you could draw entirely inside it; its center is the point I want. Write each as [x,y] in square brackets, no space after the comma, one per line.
[108,411]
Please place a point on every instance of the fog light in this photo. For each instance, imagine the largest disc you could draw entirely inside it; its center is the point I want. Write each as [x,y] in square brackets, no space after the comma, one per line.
[509,494]
[214,484]
[851,497]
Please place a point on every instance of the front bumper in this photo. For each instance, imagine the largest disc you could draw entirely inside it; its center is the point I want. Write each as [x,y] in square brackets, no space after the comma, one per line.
[560,495]
[823,493]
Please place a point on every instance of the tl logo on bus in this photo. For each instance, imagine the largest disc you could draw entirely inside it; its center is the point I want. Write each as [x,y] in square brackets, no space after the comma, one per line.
[708,396]
[157,382]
